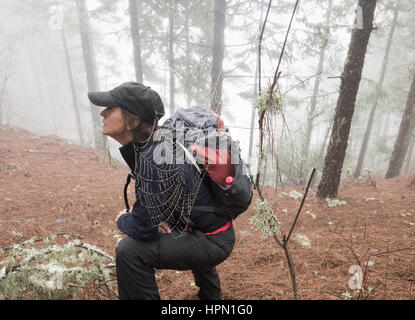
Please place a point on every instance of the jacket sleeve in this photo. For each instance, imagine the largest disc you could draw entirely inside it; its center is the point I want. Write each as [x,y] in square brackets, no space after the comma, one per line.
[137,224]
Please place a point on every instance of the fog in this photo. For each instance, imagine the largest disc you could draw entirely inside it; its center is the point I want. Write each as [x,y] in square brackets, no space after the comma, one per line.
[41,47]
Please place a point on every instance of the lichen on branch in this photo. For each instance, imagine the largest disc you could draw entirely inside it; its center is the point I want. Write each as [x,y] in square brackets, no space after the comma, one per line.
[264,219]
[269,101]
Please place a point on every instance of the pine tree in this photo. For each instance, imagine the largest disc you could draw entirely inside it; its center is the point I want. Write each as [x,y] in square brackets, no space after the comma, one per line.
[313,103]
[135,38]
[376,99]
[170,56]
[405,130]
[349,87]
[75,100]
[91,71]
[218,49]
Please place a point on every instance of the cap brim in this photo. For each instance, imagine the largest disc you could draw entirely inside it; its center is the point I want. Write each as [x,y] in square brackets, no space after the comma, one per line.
[102,99]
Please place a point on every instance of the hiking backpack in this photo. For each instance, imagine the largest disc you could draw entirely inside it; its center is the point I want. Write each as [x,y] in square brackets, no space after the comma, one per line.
[212,147]
[208,144]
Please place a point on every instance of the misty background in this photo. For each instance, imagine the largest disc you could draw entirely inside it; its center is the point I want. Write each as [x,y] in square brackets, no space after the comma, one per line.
[53,52]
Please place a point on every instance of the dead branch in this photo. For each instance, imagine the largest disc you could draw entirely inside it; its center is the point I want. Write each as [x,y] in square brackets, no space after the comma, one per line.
[300,83]
[261,36]
[392,251]
[77,150]
[43,239]
[273,85]
[12,166]
[277,72]
[262,117]
[284,243]
[301,206]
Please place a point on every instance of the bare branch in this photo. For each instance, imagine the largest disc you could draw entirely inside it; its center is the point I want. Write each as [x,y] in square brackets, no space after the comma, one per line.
[277,72]
[260,44]
[301,206]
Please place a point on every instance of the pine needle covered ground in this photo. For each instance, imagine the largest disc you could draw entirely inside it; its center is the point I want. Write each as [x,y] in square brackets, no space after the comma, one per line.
[48,186]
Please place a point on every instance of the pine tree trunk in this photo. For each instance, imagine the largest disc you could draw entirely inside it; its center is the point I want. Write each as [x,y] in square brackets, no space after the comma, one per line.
[75,102]
[365,141]
[326,137]
[91,71]
[409,156]
[313,103]
[218,50]
[135,38]
[1,105]
[171,59]
[43,87]
[350,81]
[2,91]
[187,80]
[402,141]
[253,111]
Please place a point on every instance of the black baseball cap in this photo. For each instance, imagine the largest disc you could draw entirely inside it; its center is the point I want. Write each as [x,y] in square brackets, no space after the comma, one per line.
[135,97]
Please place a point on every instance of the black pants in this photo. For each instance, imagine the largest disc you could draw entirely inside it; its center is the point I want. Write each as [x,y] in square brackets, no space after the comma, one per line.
[136,261]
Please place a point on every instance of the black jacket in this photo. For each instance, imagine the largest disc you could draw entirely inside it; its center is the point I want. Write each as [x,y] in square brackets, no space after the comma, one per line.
[138,224]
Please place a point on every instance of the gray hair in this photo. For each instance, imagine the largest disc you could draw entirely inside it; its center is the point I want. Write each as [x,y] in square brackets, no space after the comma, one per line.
[144,131]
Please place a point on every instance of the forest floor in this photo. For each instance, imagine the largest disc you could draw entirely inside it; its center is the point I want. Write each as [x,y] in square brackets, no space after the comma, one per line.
[48,186]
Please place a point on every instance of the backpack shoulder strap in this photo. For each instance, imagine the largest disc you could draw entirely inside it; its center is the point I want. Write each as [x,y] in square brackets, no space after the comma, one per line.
[204,208]
[220,211]
[127,182]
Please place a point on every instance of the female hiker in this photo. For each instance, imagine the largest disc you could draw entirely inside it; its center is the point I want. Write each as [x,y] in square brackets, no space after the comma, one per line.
[164,195]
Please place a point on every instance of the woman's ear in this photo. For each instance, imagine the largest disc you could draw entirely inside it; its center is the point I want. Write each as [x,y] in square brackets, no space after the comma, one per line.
[134,124]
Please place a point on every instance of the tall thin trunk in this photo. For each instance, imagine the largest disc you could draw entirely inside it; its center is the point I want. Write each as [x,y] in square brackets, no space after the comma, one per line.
[135,38]
[91,71]
[171,58]
[2,91]
[264,176]
[384,129]
[409,156]
[402,140]
[187,80]
[313,103]
[326,137]
[379,88]
[350,81]
[43,87]
[75,103]
[261,114]
[386,126]
[253,111]
[1,103]
[218,49]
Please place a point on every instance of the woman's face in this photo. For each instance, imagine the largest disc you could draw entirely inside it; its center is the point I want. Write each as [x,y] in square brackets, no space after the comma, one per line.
[115,126]
[113,122]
